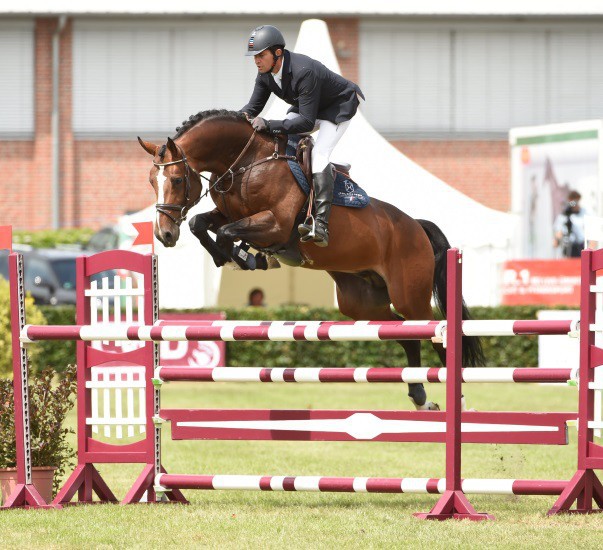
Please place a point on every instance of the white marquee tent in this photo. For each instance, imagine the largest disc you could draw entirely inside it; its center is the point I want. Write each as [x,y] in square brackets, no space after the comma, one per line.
[188,277]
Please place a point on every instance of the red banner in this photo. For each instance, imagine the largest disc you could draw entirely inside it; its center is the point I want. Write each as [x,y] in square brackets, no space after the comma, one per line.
[541,282]
[192,354]
[145,234]
[6,237]
[179,354]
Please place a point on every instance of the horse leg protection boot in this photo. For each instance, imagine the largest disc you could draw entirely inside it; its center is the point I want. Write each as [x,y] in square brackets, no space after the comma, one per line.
[323,193]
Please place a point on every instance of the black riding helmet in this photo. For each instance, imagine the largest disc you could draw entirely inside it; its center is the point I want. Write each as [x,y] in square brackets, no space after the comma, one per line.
[262,38]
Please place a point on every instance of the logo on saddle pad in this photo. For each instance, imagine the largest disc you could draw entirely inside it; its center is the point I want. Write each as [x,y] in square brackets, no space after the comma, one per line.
[349,186]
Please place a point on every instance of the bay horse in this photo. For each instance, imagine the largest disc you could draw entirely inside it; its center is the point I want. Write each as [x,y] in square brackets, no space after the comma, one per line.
[385,264]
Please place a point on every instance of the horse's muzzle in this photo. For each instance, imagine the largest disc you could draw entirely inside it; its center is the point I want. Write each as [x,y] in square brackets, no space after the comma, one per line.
[168,237]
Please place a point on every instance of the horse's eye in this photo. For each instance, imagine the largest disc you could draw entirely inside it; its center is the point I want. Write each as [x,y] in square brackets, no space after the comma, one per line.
[176,181]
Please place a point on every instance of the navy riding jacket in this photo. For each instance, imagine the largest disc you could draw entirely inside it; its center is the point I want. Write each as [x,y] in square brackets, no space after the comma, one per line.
[312,90]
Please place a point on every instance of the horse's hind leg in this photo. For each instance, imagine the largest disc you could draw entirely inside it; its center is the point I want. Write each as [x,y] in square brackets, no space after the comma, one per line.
[410,295]
[368,299]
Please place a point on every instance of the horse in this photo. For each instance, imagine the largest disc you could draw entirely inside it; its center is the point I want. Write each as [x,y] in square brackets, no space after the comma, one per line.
[385,264]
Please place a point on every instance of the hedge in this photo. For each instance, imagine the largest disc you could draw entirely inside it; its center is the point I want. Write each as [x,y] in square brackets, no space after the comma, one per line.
[521,351]
[53,237]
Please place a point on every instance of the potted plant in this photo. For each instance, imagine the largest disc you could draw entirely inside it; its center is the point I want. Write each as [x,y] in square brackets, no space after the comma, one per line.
[51,453]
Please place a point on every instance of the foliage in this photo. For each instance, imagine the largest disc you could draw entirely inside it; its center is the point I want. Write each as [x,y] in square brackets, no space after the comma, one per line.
[33,316]
[500,351]
[49,404]
[53,353]
[53,237]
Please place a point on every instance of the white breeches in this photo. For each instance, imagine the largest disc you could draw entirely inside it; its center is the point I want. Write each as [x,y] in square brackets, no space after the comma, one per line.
[328,136]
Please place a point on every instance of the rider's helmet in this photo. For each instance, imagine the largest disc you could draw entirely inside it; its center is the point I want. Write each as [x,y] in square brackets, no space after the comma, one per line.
[262,38]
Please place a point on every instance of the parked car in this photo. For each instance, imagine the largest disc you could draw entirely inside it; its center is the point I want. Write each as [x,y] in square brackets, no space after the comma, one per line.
[49,274]
[110,237]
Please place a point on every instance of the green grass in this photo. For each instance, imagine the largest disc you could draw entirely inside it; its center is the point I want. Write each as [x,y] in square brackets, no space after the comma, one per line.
[325,520]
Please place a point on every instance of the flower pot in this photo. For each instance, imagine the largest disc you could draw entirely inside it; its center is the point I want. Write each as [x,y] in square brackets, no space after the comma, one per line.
[42,477]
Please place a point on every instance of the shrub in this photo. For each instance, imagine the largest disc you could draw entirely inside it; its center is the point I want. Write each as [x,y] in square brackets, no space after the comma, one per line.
[53,237]
[49,404]
[500,351]
[33,316]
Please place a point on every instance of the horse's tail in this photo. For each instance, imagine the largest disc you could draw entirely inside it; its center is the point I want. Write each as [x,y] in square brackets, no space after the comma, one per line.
[473,355]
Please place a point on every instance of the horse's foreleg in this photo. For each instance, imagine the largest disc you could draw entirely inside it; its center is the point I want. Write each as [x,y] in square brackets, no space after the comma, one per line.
[200,226]
[261,230]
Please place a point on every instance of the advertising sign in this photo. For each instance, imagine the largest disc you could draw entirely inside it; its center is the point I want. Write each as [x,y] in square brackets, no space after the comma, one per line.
[541,282]
[547,162]
[192,354]
[179,354]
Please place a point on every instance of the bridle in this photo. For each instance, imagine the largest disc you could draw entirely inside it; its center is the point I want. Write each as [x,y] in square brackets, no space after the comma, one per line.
[165,208]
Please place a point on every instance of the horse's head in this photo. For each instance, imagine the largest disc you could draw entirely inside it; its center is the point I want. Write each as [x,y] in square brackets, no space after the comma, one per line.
[177,187]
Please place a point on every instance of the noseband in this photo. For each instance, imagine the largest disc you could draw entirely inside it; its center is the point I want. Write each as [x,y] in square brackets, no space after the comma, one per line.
[182,210]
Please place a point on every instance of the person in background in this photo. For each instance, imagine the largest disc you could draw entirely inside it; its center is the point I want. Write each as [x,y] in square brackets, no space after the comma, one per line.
[256,298]
[569,227]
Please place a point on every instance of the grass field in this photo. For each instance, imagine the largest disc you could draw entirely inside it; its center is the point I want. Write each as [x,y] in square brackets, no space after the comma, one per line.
[325,520]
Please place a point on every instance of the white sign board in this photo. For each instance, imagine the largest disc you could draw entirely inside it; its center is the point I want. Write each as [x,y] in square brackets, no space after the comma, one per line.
[546,163]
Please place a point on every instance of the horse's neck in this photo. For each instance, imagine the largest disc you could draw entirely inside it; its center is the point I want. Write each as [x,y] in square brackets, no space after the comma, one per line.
[218,147]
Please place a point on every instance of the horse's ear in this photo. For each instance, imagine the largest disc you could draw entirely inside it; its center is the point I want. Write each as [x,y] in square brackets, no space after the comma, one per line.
[172,148]
[148,147]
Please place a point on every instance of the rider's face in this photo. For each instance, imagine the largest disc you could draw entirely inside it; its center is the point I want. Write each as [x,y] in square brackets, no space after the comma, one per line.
[264,61]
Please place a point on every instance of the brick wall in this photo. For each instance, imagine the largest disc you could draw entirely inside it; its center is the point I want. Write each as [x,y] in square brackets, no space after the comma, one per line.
[101,180]
[480,169]
[344,32]
[114,175]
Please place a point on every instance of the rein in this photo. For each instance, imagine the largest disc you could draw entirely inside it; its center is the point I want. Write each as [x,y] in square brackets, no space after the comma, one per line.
[165,208]
[275,156]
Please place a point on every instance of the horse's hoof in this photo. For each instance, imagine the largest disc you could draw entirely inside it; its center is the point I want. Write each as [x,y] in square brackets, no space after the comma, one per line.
[273,263]
[261,261]
[265,262]
[427,406]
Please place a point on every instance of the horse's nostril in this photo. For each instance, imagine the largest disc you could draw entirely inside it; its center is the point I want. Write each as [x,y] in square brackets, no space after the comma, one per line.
[168,236]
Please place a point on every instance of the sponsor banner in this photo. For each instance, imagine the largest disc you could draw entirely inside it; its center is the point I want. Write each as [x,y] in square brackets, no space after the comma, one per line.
[192,354]
[179,354]
[541,282]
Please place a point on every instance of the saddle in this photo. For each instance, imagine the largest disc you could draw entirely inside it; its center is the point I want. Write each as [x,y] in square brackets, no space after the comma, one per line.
[303,154]
[288,252]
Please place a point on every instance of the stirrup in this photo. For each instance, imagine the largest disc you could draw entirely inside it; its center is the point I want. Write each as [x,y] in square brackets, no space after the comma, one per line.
[312,233]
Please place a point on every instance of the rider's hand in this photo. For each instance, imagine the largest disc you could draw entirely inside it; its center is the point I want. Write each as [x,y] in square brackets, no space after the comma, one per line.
[260,124]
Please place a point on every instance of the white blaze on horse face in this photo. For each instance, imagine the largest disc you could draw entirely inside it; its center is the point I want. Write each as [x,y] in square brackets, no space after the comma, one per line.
[161,179]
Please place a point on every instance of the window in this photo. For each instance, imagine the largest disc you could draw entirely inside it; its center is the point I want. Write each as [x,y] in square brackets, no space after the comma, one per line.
[479,78]
[17,70]
[148,77]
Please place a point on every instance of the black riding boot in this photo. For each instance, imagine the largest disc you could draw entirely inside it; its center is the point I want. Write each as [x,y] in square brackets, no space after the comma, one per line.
[323,196]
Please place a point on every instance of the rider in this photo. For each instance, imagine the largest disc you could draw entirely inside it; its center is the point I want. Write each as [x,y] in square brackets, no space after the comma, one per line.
[319,97]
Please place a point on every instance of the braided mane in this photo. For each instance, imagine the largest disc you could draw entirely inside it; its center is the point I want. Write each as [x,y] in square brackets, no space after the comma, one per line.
[206,115]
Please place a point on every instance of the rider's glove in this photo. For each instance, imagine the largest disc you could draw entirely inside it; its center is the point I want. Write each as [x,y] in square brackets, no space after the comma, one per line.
[260,124]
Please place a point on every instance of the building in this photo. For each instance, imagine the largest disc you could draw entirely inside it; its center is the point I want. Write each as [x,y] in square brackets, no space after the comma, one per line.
[444,83]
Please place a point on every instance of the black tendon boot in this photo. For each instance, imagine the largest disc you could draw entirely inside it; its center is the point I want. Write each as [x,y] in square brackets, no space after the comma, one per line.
[323,196]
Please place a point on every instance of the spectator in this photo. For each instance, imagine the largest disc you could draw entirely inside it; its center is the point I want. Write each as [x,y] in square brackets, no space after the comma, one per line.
[256,298]
[569,227]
